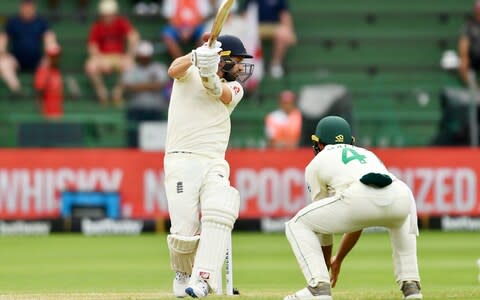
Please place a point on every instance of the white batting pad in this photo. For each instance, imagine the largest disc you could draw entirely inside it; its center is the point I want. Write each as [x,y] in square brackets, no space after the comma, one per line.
[211,253]
[182,252]
[219,212]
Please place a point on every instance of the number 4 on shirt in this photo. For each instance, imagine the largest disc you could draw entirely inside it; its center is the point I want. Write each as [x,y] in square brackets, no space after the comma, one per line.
[349,155]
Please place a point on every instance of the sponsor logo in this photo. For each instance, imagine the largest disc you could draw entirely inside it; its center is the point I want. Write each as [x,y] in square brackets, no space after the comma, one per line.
[236,89]
[38,191]
[460,224]
[273,225]
[442,190]
[225,52]
[111,227]
[204,275]
[339,138]
[271,190]
[24,228]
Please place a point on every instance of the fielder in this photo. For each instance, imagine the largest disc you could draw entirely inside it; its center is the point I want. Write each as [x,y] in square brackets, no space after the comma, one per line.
[351,189]
[206,89]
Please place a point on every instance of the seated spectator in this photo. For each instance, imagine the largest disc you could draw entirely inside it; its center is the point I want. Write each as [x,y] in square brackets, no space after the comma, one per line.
[143,84]
[283,126]
[107,52]
[49,84]
[185,23]
[26,34]
[469,45]
[276,24]
[80,13]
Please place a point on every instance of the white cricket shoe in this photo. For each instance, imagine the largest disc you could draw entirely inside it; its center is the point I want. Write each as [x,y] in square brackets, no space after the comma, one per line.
[320,292]
[180,283]
[198,289]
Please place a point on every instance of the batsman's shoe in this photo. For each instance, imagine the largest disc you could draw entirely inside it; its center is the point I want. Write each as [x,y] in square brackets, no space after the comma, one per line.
[411,290]
[320,292]
[197,290]
[180,283]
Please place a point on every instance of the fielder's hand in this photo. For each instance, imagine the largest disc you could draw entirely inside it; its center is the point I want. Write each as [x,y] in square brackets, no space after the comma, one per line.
[206,59]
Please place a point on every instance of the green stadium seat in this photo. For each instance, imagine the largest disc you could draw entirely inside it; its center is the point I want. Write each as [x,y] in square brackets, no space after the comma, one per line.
[386,52]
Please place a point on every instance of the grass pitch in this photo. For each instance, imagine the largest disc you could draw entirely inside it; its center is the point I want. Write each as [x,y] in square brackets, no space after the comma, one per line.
[77,267]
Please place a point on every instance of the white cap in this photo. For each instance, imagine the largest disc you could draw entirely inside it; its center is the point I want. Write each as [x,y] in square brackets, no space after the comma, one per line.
[450,60]
[108,7]
[144,48]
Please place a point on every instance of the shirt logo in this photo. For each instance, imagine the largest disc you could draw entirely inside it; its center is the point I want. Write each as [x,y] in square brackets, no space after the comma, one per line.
[236,89]
[179,187]
[339,138]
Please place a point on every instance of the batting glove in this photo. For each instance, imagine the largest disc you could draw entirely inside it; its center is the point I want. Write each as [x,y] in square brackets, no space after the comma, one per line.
[206,59]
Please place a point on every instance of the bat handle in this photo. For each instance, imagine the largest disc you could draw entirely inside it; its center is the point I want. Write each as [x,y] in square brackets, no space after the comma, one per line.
[211,42]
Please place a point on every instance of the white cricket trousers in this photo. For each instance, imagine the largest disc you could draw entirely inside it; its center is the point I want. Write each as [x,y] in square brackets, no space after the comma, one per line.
[188,179]
[358,207]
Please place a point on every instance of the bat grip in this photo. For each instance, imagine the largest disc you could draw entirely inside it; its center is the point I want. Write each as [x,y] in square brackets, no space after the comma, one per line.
[211,42]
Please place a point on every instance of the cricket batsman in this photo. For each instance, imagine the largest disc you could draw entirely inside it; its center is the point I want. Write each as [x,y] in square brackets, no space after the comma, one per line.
[202,205]
[351,189]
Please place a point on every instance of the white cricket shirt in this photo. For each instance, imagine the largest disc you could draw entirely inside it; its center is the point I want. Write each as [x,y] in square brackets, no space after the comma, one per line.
[197,122]
[337,166]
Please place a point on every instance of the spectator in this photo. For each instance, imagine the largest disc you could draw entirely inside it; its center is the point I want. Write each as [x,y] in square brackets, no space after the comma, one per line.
[49,84]
[144,83]
[454,125]
[469,45]
[283,126]
[276,24]
[81,12]
[26,33]
[107,51]
[186,23]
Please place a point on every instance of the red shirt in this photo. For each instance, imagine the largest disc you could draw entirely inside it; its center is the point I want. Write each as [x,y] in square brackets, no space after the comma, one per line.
[110,37]
[48,81]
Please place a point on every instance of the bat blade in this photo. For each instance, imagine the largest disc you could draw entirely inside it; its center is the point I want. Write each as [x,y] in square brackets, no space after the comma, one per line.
[220,18]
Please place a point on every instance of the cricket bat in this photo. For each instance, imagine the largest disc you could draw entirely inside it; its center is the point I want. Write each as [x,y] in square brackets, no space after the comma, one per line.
[220,18]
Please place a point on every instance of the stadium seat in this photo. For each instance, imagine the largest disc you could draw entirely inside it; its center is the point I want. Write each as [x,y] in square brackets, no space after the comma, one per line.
[386,53]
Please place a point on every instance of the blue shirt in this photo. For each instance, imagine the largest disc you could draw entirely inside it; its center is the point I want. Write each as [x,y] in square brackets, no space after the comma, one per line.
[269,10]
[26,40]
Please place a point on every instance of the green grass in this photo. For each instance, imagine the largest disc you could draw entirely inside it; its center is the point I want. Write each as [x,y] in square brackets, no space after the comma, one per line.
[77,267]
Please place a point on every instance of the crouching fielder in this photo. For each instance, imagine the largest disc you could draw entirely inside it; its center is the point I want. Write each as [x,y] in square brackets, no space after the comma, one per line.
[205,92]
[351,189]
